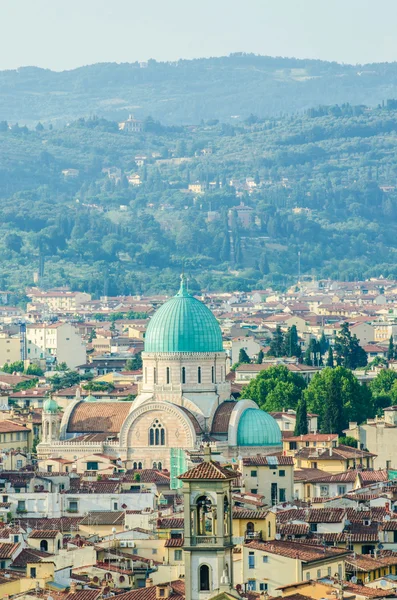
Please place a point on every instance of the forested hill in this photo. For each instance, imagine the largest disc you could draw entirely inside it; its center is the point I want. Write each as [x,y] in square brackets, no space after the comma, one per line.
[106,210]
[187,91]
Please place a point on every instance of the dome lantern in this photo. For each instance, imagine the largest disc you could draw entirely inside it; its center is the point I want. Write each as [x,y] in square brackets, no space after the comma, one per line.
[50,406]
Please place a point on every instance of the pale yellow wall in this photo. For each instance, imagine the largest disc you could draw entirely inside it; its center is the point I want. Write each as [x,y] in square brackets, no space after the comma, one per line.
[10,350]
[240,526]
[52,543]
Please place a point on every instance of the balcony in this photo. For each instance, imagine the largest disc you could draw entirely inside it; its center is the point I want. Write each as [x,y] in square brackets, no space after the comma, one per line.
[253,535]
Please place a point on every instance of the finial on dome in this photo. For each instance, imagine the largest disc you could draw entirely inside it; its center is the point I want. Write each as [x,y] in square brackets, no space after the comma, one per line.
[183,287]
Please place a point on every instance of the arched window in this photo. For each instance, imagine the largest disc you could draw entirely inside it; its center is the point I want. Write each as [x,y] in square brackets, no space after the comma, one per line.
[213,374]
[159,466]
[139,465]
[199,374]
[47,429]
[154,465]
[154,375]
[183,375]
[221,373]
[168,374]
[204,578]
[135,465]
[44,546]
[157,434]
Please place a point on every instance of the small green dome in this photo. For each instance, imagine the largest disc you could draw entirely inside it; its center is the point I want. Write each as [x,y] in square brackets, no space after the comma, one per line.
[183,324]
[90,398]
[257,428]
[50,406]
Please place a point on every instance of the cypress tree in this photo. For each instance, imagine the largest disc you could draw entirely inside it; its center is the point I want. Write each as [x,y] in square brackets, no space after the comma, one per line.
[390,350]
[260,357]
[243,356]
[330,358]
[301,418]
[333,414]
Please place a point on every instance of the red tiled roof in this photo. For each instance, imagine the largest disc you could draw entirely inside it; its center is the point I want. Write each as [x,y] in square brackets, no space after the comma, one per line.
[98,417]
[104,517]
[83,594]
[170,523]
[7,550]
[150,593]
[208,470]
[174,543]
[63,524]
[220,423]
[28,555]
[46,534]
[293,529]
[305,552]
[247,513]
[9,426]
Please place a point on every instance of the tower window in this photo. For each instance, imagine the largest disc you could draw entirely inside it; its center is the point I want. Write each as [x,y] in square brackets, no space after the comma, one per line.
[183,375]
[213,374]
[221,373]
[168,374]
[199,374]
[154,375]
[157,434]
[204,578]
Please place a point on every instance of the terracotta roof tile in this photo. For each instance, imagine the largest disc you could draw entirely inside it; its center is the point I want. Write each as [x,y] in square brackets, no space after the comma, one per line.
[28,555]
[174,543]
[98,417]
[247,513]
[7,550]
[84,595]
[208,470]
[305,552]
[220,423]
[171,523]
[63,524]
[46,534]
[293,529]
[103,517]
[149,593]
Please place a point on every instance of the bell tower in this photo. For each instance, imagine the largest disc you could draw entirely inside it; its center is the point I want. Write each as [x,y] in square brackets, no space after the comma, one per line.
[50,422]
[208,542]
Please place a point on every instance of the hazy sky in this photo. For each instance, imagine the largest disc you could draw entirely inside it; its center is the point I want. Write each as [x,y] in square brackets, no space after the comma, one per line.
[63,34]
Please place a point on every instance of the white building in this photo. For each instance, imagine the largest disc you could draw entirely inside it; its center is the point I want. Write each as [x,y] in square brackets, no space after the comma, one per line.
[56,340]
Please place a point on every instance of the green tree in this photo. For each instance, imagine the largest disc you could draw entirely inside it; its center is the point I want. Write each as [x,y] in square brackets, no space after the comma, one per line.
[332,420]
[330,358]
[348,351]
[291,343]
[260,357]
[324,344]
[275,389]
[332,389]
[390,350]
[34,370]
[348,440]
[301,418]
[383,388]
[277,345]
[14,242]
[312,354]
[243,357]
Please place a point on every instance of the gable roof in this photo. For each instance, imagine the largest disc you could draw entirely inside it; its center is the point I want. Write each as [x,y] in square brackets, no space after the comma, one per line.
[305,552]
[208,470]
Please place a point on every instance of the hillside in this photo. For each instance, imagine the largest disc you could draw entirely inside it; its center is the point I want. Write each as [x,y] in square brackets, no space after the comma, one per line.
[111,212]
[187,91]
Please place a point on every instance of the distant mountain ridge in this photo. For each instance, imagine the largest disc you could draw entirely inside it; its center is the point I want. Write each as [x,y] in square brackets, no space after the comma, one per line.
[187,91]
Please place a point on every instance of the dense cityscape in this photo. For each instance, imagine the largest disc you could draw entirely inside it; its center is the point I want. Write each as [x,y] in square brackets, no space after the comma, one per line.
[198,300]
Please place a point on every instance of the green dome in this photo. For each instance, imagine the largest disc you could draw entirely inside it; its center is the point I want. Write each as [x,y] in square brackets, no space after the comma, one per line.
[258,428]
[50,406]
[183,324]
[90,398]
